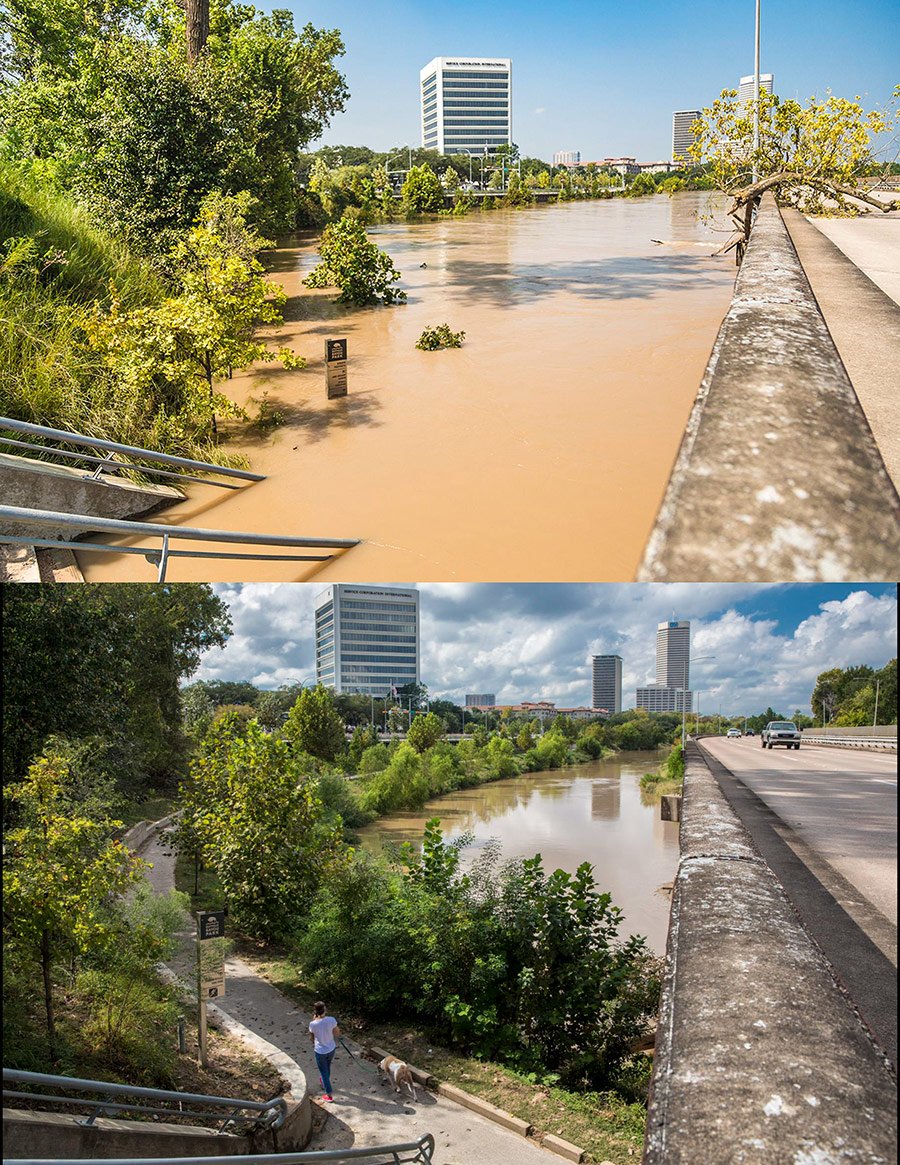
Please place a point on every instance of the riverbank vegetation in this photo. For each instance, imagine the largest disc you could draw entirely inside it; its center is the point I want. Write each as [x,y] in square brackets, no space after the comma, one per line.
[669,777]
[137,172]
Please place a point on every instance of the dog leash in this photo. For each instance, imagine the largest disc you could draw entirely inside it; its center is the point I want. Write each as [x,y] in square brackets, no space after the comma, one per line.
[353,1056]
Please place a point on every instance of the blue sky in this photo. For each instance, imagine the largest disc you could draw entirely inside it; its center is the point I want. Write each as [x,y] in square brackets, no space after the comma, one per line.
[597,76]
[535,641]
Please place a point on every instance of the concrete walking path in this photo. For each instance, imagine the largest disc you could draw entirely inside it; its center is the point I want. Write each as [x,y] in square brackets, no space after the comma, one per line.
[364,1112]
[853,267]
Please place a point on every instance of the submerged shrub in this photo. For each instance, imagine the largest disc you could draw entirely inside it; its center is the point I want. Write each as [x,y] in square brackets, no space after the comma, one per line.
[433,339]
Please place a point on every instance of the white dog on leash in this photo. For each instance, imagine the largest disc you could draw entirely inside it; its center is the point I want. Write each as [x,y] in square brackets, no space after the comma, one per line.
[399,1073]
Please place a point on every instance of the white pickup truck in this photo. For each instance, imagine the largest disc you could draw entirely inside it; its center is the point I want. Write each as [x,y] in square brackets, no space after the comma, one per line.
[780,732]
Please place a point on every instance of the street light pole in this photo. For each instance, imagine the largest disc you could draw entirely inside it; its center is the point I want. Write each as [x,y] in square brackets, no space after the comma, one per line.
[756,99]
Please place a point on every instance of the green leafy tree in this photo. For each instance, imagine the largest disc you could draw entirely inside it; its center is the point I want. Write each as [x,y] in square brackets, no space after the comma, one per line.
[313,725]
[196,337]
[422,192]
[261,826]
[149,637]
[349,261]
[61,871]
[272,707]
[425,731]
[812,155]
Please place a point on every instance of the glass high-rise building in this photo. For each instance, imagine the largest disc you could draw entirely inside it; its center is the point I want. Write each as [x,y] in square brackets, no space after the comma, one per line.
[683,136]
[607,682]
[671,691]
[367,638]
[466,104]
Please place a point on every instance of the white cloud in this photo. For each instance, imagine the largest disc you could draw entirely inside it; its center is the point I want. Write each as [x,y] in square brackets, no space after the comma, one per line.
[531,641]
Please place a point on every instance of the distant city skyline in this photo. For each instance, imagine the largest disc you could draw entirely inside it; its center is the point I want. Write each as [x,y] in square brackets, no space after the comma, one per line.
[535,641]
[597,78]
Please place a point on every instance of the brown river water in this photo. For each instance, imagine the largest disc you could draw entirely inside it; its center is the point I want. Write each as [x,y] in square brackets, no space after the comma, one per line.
[539,450]
[589,813]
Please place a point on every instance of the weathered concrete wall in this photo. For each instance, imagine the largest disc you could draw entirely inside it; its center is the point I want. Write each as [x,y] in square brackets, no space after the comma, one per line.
[38,485]
[759,1056]
[778,475]
[42,1135]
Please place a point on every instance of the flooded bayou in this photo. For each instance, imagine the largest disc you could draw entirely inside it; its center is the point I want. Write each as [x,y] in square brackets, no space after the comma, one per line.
[589,813]
[539,450]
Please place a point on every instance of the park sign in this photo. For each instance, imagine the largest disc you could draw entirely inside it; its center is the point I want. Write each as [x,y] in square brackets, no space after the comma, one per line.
[210,924]
[336,368]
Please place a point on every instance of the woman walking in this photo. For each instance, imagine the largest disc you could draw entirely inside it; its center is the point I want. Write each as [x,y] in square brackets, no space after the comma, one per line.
[323,1031]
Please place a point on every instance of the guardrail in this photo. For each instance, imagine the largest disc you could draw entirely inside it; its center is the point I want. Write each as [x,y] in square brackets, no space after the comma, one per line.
[419,1152]
[166,533]
[109,465]
[883,742]
[270,1114]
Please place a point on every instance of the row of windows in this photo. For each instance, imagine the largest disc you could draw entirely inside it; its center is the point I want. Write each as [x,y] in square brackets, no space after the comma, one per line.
[475,143]
[382,669]
[352,605]
[380,662]
[484,103]
[448,73]
[325,642]
[379,623]
[384,637]
[457,123]
[429,106]
[482,86]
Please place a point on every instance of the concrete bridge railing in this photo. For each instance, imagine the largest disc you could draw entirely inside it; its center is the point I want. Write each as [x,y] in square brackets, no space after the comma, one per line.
[778,475]
[759,1056]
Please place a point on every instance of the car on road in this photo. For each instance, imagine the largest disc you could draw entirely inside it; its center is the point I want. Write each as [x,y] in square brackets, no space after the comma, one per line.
[750,732]
[780,732]
[736,732]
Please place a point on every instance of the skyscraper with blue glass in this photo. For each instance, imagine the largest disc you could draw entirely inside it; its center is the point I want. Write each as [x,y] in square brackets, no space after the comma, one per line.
[466,104]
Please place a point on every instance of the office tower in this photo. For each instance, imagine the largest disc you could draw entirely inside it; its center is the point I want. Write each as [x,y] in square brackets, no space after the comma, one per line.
[670,693]
[466,104]
[607,682]
[673,653]
[745,92]
[682,135]
[567,158]
[480,699]
[367,638]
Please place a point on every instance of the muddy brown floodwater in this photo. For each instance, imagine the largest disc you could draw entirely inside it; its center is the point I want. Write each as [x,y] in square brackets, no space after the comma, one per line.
[589,813]
[539,450]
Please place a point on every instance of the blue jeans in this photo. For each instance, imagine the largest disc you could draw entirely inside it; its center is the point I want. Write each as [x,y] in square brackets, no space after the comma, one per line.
[323,1063]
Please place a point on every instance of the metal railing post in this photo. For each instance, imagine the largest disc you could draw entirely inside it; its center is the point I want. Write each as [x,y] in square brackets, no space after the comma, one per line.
[163,559]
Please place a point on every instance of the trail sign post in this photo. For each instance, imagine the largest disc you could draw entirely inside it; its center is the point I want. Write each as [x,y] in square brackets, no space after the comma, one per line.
[210,969]
[336,368]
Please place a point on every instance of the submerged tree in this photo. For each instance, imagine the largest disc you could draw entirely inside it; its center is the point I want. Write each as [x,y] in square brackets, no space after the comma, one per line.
[354,265]
[811,156]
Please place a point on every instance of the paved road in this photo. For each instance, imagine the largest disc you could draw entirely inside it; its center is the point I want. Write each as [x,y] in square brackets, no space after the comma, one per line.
[825,819]
[364,1112]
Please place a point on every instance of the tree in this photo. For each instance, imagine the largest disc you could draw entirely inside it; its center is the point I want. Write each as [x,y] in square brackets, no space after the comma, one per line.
[811,156]
[197,336]
[313,725]
[425,731]
[422,192]
[362,273]
[105,101]
[104,663]
[272,707]
[261,826]
[61,873]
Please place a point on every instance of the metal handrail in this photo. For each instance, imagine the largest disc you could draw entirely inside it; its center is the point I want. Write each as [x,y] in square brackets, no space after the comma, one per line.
[272,1113]
[158,530]
[422,1151]
[850,741]
[117,447]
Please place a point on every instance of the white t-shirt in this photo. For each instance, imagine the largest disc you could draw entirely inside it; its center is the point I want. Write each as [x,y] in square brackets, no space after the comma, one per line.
[323,1032]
